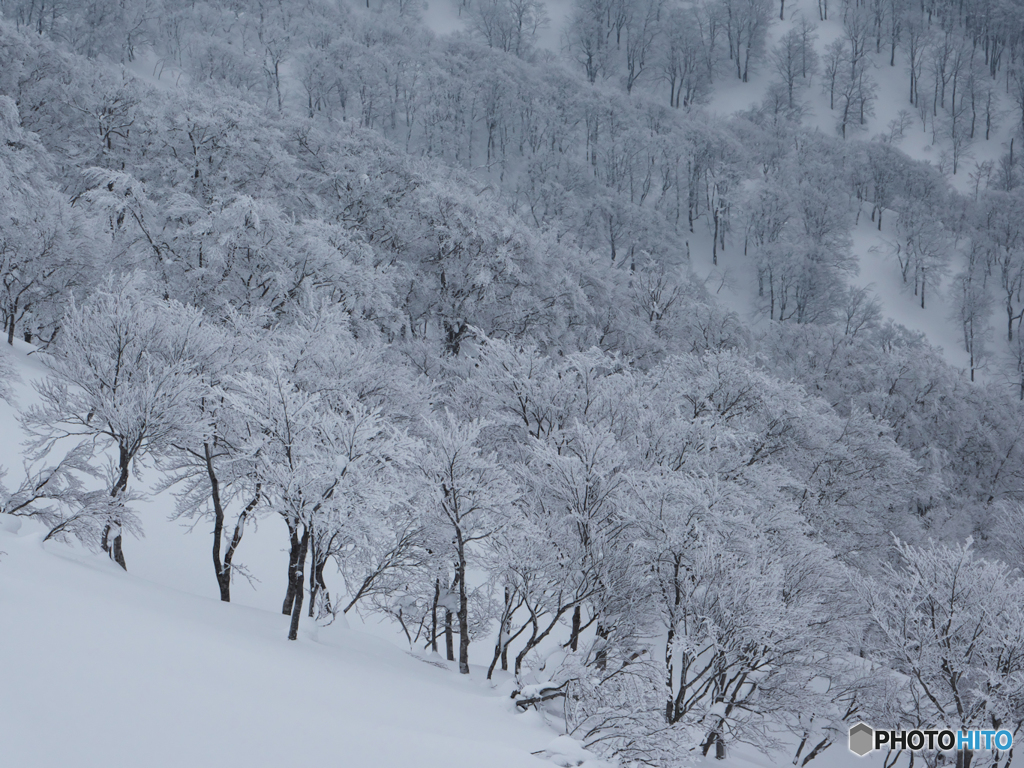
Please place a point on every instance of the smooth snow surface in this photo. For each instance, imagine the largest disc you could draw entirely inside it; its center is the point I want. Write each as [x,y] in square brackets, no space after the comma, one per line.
[101,668]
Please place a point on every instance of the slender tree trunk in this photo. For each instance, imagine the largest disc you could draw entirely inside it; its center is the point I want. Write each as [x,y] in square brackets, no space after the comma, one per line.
[314,586]
[498,646]
[670,704]
[601,656]
[293,562]
[449,645]
[317,585]
[574,638]
[463,614]
[715,740]
[820,747]
[433,616]
[530,644]
[964,758]
[117,553]
[503,633]
[800,746]
[236,539]
[714,239]
[223,577]
[293,630]
[113,547]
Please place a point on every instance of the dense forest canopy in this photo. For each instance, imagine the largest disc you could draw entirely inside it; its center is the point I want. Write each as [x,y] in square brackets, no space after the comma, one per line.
[430,300]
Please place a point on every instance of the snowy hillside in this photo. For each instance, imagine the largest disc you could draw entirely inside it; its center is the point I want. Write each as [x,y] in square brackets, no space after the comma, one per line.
[602,383]
[917,133]
[131,673]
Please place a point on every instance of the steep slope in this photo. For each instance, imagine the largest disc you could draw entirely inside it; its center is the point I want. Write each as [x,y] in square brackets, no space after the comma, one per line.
[919,140]
[102,668]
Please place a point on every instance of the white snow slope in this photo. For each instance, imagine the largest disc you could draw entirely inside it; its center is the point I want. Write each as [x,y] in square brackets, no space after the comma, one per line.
[101,668]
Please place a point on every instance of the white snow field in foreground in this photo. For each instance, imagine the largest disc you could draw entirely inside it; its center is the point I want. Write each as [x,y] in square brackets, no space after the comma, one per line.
[102,668]
[99,668]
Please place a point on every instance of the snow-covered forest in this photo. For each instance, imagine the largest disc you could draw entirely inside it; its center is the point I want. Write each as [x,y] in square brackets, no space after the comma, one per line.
[656,364]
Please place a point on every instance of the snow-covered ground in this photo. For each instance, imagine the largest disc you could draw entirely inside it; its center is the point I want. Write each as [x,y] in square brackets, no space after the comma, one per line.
[131,673]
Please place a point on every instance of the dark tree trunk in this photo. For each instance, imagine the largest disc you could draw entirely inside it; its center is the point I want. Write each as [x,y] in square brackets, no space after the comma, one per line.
[317,585]
[820,747]
[113,546]
[714,239]
[117,553]
[601,657]
[463,613]
[236,539]
[715,740]
[223,575]
[497,654]
[505,627]
[293,561]
[293,631]
[574,638]
[449,645]
[964,758]
[433,615]
[314,587]
[801,745]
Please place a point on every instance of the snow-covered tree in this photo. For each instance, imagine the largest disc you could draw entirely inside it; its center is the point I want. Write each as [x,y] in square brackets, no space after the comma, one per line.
[951,622]
[42,250]
[123,378]
[470,496]
[203,464]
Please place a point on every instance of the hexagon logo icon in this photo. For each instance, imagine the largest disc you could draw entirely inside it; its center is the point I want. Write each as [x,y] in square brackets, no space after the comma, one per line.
[861,739]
